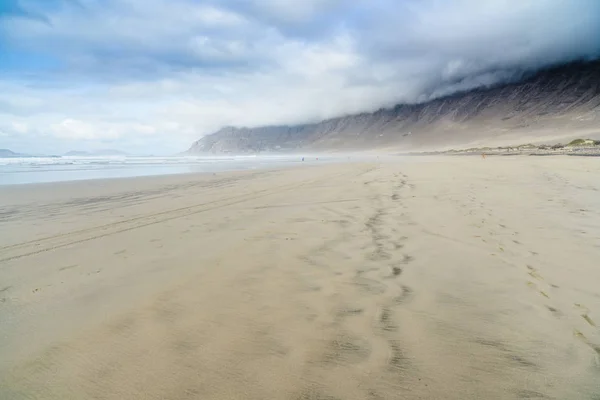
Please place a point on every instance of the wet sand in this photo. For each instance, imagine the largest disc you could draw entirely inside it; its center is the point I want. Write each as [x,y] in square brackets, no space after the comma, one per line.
[426,278]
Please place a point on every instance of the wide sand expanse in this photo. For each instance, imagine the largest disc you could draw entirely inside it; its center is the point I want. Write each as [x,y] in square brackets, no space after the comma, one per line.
[413,278]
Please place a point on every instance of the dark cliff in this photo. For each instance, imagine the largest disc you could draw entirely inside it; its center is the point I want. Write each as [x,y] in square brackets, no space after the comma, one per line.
[550,105]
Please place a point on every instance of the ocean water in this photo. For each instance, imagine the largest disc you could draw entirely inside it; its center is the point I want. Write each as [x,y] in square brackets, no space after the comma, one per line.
[15,171]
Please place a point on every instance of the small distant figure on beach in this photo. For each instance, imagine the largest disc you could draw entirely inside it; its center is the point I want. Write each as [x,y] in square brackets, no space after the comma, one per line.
[483,155]
[302,158]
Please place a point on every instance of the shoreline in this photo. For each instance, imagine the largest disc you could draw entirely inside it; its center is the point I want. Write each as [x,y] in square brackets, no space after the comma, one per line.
[336,159]
[109,168]
[438,277]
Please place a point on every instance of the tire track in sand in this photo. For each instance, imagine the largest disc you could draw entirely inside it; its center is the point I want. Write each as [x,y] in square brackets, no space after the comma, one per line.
[50,243]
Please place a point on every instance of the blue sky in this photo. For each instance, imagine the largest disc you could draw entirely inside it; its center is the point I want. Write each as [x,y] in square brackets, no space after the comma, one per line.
[151,76]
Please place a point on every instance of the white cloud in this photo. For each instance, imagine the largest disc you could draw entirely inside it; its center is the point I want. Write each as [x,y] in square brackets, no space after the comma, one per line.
[20,127]
[298,11]
[74,129]
[163,73]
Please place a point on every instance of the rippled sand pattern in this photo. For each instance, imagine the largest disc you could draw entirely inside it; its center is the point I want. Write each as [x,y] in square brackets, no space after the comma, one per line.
[433,278]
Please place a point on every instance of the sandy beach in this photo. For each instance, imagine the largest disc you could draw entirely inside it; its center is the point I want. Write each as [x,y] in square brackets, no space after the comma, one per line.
[414,278]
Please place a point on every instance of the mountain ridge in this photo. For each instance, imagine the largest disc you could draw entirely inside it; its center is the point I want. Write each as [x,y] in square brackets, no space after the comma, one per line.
[7,153]
[549,105]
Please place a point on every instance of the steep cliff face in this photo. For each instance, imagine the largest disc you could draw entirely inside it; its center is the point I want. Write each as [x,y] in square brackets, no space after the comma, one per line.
[553,104]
